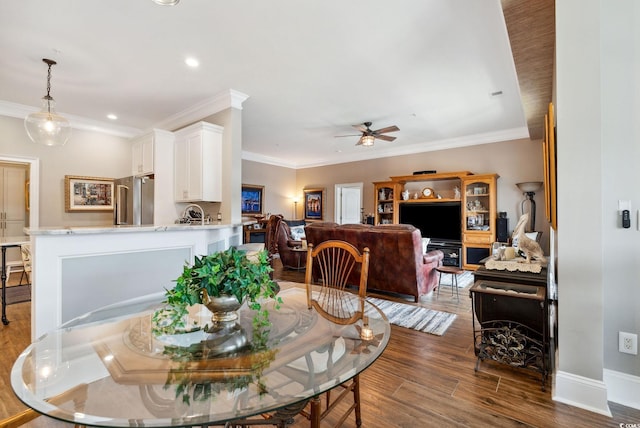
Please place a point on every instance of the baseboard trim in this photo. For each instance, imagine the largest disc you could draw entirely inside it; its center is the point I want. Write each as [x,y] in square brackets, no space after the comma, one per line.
[582,392]
[622,388]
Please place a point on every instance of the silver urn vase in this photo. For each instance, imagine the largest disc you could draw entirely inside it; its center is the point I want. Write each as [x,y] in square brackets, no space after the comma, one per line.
[223,308]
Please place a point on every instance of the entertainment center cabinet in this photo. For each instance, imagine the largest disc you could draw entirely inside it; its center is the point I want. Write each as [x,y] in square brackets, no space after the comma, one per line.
[405,196]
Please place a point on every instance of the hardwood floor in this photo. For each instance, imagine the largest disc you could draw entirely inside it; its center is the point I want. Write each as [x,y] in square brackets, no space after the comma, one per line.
[421,380]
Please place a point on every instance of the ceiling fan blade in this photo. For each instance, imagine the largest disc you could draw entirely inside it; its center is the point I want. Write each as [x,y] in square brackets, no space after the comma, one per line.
[361,128]
[349,135]
[387,129]
[385,137]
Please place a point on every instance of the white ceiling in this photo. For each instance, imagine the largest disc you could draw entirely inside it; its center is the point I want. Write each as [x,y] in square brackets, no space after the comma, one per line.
[311,69]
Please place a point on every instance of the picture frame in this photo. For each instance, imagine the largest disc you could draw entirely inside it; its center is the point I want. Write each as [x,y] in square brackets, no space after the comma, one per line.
[550,166]
[313,204]
[252,199]
[88,194]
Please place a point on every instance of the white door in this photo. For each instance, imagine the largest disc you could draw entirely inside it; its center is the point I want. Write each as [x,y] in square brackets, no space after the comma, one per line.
[348,203]
[12,205]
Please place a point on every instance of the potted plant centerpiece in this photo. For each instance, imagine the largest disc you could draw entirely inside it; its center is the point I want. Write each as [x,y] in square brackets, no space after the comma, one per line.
[221,281]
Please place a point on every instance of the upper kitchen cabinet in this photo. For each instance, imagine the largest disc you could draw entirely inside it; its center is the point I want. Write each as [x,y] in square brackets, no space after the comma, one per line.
[198,163]
[145,150]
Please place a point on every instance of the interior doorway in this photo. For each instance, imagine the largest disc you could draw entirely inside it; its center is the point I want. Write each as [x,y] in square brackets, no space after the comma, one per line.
[348,203]
[30,189]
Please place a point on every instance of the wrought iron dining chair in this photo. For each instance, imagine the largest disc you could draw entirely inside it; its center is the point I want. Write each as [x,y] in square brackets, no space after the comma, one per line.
[332,266]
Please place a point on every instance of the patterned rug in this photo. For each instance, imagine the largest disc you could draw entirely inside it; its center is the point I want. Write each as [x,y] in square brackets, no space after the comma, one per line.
[415,317]
[465,279]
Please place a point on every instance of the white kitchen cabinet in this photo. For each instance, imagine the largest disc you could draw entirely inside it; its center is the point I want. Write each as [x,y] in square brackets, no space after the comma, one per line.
[198,163]
[142,156]
[152,155]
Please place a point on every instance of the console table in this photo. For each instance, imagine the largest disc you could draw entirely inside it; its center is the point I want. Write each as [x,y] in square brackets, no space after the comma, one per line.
[511,319]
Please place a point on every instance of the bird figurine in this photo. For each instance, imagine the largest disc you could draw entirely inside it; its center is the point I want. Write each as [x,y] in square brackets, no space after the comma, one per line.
[530,248]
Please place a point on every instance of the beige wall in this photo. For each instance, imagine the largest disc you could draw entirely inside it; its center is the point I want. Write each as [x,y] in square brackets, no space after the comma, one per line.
[85,154]
[514,161]
[279,186]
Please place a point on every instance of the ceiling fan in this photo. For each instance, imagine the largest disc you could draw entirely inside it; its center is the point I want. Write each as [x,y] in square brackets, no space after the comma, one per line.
[368,136]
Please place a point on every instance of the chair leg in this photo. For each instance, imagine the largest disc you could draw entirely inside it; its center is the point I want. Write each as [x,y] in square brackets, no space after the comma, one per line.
[457,292]
[356,399]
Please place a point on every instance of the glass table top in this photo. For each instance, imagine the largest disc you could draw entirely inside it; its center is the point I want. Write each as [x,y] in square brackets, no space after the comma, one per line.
[107,368]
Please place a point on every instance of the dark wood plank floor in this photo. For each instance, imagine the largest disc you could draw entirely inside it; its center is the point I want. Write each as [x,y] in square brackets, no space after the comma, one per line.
[421,380]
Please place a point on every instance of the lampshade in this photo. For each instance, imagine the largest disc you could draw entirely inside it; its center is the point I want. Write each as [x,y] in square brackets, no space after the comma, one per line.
[46,126]
[529,186]
[367,140]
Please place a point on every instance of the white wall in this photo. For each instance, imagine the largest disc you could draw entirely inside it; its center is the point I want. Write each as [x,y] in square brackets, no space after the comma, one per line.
[598,153]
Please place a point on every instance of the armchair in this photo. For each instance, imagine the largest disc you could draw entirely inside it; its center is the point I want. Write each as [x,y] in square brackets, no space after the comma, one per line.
[291,255]
[270,239]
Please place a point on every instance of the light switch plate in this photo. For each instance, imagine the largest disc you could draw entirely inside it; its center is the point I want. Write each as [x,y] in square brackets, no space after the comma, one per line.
[624,205]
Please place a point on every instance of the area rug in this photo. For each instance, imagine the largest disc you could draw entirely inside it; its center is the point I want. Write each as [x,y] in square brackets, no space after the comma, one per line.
[465,279]
[415,317]
[18,294]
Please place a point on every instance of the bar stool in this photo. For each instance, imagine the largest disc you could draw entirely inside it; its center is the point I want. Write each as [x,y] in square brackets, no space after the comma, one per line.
[454,271]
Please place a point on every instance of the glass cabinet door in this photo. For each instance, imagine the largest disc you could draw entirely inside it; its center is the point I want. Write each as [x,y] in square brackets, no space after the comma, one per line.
[477,206]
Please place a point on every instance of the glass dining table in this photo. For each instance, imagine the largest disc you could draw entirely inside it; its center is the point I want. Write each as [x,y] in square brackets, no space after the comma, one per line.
[110,368]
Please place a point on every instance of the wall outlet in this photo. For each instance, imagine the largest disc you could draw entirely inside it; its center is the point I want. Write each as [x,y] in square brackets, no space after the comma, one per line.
[628,343]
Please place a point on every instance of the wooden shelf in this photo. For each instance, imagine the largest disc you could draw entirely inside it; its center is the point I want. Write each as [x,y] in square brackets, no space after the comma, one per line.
[430,200]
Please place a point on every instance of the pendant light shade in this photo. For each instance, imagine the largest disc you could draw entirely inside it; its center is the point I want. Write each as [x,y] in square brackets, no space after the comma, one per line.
[46,126]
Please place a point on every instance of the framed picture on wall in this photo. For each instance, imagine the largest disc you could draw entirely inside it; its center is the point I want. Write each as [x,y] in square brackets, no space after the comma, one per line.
[87,194]
[252,199]
[313,204]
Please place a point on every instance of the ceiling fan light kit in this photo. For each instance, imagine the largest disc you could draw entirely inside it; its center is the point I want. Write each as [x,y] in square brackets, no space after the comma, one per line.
[367,140]
[46,127]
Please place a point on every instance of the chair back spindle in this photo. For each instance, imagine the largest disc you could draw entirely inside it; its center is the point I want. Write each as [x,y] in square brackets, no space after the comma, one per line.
[333,263]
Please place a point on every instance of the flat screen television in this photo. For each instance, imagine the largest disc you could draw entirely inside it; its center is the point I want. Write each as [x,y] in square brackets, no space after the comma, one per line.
[439,221]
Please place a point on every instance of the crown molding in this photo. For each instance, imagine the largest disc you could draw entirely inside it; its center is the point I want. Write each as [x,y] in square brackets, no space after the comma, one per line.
[21,111]
[431,146]
[229,98]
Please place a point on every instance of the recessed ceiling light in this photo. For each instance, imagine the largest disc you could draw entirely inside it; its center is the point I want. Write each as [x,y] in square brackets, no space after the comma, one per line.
[112,116]
[192,62]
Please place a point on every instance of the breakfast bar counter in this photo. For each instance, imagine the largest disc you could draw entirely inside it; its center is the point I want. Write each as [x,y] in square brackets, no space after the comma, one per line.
[78,269]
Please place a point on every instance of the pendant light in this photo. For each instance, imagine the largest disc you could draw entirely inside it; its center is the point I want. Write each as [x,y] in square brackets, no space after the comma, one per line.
[46,126]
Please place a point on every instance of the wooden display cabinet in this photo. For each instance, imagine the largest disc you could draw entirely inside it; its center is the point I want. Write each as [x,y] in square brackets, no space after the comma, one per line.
[386,195]
[479,213]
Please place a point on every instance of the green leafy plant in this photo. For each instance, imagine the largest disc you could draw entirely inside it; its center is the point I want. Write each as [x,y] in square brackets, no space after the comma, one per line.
[227,272]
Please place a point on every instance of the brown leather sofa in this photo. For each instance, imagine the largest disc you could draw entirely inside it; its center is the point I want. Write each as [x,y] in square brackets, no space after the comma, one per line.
[396,262]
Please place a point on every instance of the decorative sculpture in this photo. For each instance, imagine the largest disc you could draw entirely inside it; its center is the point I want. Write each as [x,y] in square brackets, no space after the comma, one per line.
[530,248]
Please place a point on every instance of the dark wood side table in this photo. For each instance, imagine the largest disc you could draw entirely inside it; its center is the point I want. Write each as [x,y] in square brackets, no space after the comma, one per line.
[512,313]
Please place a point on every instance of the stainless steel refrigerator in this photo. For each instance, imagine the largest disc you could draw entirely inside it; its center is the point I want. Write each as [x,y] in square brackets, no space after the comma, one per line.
[133,201]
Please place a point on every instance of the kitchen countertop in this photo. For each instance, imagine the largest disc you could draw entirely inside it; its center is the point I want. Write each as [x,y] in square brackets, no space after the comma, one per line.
[87,230]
